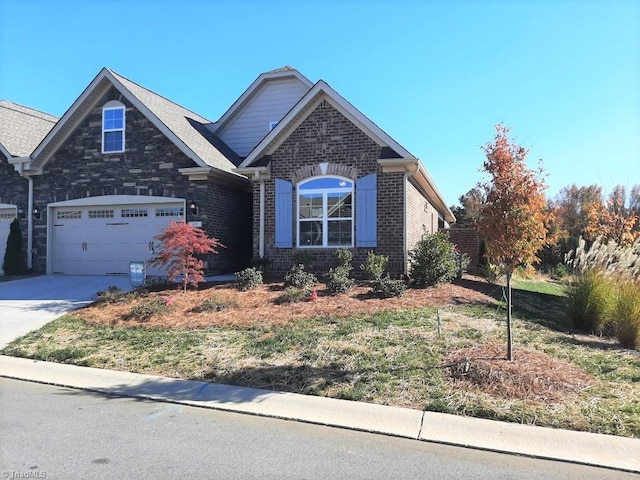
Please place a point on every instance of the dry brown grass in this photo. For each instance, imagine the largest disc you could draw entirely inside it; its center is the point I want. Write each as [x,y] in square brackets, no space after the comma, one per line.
[533,376]
[259,308]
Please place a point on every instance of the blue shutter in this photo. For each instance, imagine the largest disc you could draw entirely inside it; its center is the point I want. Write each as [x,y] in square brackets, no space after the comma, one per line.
[284,214]
[366,212]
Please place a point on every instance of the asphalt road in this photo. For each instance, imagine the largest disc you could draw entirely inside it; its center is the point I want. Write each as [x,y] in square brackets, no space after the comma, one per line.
[53,432]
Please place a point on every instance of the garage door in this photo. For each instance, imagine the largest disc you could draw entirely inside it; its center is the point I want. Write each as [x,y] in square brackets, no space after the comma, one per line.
[102,238]
[7,214]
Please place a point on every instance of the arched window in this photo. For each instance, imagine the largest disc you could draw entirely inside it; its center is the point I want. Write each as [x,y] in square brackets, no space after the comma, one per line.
[325,212]
[113,122]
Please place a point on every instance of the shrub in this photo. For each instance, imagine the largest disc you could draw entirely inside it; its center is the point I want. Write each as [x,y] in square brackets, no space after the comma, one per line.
[293,295]
[146,310]
[214,305]
[591,299]
[433,260]
[387,288]
[338,279]
[14,262]
[261,263]
[297,277]
[559,272]
[462,263]
[301,257]
[249,278]
[113,294]
[374,266]
[626,314]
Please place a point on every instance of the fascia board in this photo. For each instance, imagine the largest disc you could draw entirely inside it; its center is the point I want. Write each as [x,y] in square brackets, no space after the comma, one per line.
[250,92]
[55,131]
[255,173]
[105,73]
[5,152]
[427,182]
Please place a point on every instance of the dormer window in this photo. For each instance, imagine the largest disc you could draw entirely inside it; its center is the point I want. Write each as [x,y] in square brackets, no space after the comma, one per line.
[113,127]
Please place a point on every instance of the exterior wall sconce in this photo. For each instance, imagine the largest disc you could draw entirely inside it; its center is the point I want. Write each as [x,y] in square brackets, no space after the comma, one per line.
[36,212]
[193,208]
[21,212]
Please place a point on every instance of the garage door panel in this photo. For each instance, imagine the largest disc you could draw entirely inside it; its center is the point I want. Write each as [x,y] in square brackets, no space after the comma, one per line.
[103,240]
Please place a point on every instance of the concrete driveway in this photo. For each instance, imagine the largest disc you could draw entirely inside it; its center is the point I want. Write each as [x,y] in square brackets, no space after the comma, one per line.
[29,303]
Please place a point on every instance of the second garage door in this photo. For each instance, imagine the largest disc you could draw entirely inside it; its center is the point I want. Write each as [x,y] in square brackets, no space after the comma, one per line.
[103,237]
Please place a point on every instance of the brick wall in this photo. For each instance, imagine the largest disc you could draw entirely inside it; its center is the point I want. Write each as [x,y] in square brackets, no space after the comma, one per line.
[149,166]
[326,136]
[467,241]
[422,217]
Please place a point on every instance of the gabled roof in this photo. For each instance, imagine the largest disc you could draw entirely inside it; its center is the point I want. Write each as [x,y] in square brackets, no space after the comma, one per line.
[321,91]
[182,126]
[392,154]
[22,128]
[254,88]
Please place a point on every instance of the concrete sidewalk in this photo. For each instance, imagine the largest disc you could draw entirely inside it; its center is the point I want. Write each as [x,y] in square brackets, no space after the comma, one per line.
[579,447]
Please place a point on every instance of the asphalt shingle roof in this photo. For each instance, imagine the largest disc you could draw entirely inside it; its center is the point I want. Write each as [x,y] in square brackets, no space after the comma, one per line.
[185,124]
[22,128]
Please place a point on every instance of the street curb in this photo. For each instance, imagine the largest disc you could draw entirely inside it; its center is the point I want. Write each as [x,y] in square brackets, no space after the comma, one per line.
[609,451]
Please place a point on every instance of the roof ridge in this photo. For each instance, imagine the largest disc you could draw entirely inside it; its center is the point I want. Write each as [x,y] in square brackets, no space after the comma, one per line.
[156,94]
[8,105]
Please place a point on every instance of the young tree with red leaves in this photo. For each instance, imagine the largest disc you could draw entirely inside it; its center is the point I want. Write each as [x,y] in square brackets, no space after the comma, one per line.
[181,244]
[513,216]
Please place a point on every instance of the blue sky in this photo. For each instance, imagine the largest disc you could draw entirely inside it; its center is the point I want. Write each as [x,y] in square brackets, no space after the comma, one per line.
[435,75]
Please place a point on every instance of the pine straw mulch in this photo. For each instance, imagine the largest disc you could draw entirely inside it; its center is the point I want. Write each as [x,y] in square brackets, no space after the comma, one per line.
[532,376]
[258,307]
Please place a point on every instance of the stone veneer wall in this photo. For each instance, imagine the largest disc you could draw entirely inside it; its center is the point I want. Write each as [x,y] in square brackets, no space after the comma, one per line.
[326,136]
[149,166]
[14,190]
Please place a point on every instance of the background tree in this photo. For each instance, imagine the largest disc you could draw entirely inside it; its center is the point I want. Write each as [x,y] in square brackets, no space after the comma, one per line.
[513,216]
[468,213]
[14,262]
[180,246]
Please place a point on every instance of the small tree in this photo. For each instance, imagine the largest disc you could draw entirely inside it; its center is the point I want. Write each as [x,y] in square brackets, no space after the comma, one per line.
[512,221]
[14,262]
[181,243]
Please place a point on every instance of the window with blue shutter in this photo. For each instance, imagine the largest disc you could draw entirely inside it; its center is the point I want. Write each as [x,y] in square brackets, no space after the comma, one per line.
[284,214]
[366,211]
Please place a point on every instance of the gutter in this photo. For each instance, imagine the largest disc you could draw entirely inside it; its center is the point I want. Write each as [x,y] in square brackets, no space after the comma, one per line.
[405,247]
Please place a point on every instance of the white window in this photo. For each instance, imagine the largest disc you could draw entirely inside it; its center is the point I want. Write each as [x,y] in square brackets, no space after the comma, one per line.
[113,122]
[325,212]
[134,212]
[69,214]
[169,212]
[100,213]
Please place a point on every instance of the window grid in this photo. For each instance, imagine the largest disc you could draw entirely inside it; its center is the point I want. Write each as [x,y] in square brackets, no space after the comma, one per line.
[113,129]
[134,212]
[7,217]
[325,212]
[170,212]
[69,215]
[100,213]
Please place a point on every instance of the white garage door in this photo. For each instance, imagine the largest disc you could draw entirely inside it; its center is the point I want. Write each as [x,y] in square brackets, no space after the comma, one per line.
[102,238]
[7,214]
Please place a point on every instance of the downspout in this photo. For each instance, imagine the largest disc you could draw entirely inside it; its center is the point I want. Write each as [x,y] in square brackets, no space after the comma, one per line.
[405,248]
[29,217]
[261,223]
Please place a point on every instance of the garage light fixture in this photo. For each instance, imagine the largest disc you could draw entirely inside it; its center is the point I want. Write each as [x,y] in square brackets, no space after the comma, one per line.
[21,212]
[36,212]
[193,208]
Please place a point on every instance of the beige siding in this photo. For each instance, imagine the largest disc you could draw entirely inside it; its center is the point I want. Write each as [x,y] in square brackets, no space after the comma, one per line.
[421,216]
[269,104]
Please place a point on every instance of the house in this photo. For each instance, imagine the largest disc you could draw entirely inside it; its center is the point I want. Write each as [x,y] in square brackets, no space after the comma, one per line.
[21,130]
[290,166]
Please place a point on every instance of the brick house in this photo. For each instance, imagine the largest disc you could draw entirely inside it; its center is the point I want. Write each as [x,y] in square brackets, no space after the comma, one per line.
[290,166]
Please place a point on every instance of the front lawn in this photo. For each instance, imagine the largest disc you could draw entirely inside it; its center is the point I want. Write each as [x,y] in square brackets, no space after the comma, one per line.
[439,349]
